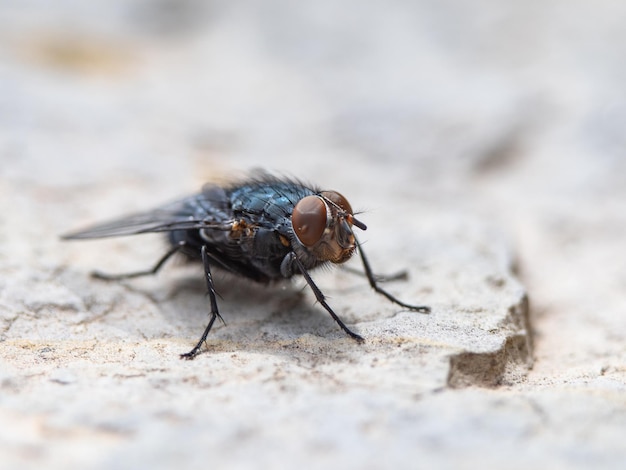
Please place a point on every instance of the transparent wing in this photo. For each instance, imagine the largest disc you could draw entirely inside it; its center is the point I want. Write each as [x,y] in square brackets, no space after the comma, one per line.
[208,210]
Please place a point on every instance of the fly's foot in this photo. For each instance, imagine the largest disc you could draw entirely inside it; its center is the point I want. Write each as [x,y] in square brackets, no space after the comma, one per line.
[399,276]
[358,338]
[105,276]
[191,355]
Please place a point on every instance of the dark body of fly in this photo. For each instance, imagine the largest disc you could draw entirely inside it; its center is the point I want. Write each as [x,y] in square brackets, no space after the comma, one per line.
[258,233]
[264,229]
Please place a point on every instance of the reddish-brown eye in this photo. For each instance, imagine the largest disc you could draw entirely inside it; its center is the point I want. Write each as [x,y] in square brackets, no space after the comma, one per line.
[309,219]
[338,199]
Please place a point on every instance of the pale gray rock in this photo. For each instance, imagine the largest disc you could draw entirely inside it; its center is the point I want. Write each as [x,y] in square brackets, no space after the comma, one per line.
[482,143]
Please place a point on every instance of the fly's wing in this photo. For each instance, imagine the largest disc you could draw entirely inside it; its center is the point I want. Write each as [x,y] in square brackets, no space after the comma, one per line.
[207,210]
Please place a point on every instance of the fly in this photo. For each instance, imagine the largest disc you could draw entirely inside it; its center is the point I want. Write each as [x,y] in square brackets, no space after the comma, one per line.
[264,229]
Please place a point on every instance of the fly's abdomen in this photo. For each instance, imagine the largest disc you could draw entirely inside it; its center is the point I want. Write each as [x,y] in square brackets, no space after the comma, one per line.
[190,241]
[269,249]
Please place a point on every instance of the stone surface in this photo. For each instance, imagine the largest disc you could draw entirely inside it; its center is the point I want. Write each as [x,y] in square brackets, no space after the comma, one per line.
[484,146]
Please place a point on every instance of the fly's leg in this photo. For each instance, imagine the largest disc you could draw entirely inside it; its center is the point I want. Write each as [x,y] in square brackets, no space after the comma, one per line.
[322,300]
[374,284]
[399,276]
[214,311]
[150,272]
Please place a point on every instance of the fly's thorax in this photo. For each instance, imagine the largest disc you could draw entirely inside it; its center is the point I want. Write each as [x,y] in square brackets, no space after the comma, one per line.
[322,225]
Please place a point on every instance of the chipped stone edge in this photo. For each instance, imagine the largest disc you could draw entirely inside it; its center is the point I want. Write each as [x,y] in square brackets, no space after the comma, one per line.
[508,365]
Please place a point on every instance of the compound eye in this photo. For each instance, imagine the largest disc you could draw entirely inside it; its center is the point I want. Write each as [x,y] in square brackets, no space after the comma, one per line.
[309,220]
[338,199]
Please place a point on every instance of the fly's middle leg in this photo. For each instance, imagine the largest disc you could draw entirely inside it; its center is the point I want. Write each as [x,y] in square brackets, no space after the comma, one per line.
[398,276]
[214,311]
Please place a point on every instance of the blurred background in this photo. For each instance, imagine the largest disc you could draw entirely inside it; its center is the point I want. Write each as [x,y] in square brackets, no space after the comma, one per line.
[426,90]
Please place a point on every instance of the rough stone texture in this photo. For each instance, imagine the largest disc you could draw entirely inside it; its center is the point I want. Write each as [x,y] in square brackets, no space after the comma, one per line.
[484,144]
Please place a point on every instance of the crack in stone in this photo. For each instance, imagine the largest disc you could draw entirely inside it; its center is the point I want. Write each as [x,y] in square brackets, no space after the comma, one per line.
[7,325]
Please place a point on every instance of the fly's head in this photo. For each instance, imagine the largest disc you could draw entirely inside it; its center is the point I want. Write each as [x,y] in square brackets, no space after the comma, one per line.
[323,224]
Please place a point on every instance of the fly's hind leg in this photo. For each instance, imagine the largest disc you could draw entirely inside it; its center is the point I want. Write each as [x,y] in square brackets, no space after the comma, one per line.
[214,311]
[149,272]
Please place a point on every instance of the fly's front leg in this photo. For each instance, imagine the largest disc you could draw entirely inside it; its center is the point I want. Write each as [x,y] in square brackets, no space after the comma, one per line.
[374,284]
[150,272]
[214,311]
[322,300]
